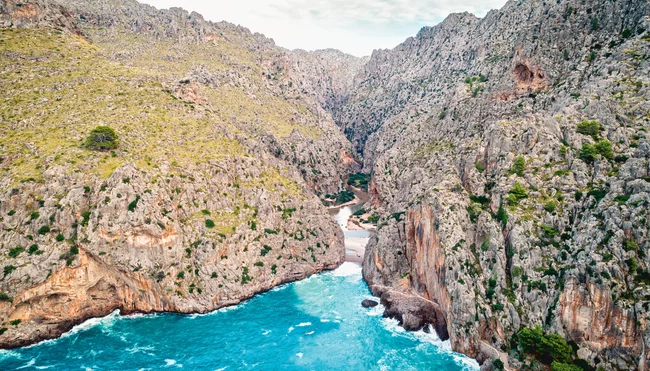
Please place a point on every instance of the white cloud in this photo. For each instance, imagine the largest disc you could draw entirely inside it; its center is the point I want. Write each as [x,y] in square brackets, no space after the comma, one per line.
[353,26]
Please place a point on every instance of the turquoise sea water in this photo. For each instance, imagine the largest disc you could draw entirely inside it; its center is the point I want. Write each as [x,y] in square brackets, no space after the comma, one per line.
[315,324]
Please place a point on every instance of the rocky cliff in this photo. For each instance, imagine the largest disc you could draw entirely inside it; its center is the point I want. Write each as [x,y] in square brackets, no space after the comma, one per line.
[509,158]
[209,196]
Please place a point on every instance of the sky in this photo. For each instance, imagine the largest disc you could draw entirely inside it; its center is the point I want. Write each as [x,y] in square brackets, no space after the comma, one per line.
[356,27]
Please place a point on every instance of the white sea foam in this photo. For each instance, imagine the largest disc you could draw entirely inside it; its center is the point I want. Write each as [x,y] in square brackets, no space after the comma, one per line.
[303,324]
[144,349]
[266,332]
[139,315]
[279,288]
[106,321]
[376,311]
[28,364]
[4,354]
[172,362]
[299,355]
[221,369]
[309,333]
[431,337]
[290,328]
[347,269]
[42,367]
[215,312]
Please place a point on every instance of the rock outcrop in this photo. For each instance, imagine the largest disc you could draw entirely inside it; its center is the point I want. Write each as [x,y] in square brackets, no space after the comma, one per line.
[209,197]
[510,164]
[496,201]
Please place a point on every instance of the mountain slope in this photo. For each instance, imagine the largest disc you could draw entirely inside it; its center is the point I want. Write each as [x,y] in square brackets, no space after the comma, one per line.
[509,158]
[209,196]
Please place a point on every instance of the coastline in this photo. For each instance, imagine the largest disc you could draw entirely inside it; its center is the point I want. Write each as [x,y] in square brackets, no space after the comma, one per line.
[354,252]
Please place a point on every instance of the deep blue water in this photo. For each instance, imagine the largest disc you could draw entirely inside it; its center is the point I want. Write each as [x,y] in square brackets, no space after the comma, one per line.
[315,324]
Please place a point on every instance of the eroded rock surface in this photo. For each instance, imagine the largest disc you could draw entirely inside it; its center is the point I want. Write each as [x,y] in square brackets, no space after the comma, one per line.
[491,204]
[209,197]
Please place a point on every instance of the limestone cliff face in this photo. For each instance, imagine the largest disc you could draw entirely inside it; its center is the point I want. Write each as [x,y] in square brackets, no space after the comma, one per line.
[209,197]
[493,200]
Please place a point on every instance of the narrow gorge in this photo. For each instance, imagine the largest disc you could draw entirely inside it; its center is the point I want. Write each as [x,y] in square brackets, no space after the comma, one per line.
[505,159]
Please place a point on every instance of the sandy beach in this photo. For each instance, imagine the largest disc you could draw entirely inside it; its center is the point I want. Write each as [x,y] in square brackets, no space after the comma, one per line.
[355,248]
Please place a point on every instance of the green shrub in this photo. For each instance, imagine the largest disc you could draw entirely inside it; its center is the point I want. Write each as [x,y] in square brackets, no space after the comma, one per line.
[554,347]
[497,307]
[16,251]
[259,264]
[519,166]
[15,322]
[622,199]
[134,204]
[484,201]
[502,215]
[85,218]
[591,128]
[604,148]
[11,212]
[497,364]
[265,250]
[34,215]
[492,285]
[5,297]
[473,213]
[626,33]
[373,219]
[550,206]
[598,193]
[60,237]
[101,138]
[270,231]
[245,278]
[180,275]
[359,180]
[587,153]
[516,194]
[480,166]
[209,223]
[559,366]
[359,212]
[8,269]
[3,330]
[273,268]
[630,245]
[287,213]
[344,196]
[529,338]
[632,263]
[44,229]
[33,249]
[549,231]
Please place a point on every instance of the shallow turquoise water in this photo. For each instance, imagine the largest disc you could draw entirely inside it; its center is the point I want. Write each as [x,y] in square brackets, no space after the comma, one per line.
[315,324]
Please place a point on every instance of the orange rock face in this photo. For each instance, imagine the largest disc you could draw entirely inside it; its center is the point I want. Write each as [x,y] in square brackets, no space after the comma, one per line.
[76,293]
[589,315]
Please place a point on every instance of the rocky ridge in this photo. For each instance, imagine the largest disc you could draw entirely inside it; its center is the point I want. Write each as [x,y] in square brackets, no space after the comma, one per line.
[209,197]
[509,158]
